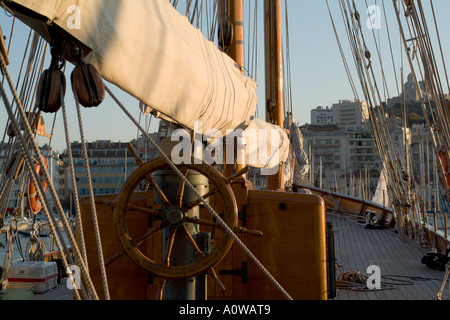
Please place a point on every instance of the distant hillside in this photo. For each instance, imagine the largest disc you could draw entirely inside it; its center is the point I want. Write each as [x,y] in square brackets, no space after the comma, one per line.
[414,110]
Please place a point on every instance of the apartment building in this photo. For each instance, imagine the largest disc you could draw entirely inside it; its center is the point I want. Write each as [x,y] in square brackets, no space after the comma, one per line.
[345,112]
[110,164]
[337,154]
[322,116]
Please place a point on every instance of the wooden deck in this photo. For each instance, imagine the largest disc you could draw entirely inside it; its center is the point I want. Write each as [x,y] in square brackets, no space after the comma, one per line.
[403,276]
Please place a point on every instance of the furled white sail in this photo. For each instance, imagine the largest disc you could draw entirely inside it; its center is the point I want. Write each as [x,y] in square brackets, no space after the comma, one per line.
[151,51]
[381,195]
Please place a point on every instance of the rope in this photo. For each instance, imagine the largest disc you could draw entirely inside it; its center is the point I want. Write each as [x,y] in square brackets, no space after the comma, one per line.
[74,183]
[206,204]
[357,281]
[35,250]
[92,199]
[36,181]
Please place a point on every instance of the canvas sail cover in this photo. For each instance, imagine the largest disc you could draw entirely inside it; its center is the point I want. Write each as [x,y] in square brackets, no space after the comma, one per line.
[381,194]
[152,52]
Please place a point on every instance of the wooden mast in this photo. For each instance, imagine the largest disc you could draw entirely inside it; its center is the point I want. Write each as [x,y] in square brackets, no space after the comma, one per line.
[236,50]
[233,10]
[274,76]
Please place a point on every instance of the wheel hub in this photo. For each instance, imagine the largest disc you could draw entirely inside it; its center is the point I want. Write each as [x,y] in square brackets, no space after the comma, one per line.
[175,217]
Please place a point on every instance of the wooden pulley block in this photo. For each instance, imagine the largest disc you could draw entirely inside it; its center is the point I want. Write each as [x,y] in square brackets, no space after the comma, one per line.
[408,3]
[48,94]
[226,35]
[11,132]
[87,83]
[3,50]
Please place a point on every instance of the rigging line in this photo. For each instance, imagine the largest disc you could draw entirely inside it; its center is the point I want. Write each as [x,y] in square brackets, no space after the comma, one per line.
[75,188]
[353,44]
[31,69]
[35,80]
[379,58]
[209,16]
[378,109]
[92,200]
[357,57]
[390,48]
[347,70]
[429,62]
[417,36]
[17,84]
[288,97]
[430,131]
[248,52]
[440,44]
[207,205]
[28,158]
[7,126]
[11,33]
[351,39]
[381,116]
[214,17]
[438,93]
[188,5]
[432,75]
[195,14]
[352,36]
[140,118]
[431,51]
[37,182]
[255,42]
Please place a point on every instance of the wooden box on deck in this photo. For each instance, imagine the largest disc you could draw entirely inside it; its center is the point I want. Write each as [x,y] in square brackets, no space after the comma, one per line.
[292,249]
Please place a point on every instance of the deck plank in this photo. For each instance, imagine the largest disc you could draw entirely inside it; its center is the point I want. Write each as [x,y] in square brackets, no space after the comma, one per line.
[358,248]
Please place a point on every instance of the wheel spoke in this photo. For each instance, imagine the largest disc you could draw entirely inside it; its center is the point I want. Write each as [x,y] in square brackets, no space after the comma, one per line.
[159,294]
[170,215]
[213,274]
[196,202]
[203,222]
[135,155]
[112,204]
[188,236]
[180,193]
[158,190]
[233,177]
[117,255]
[214,190]
[150,233]
[150,212]
[136,243]
[170,242]
[201,256]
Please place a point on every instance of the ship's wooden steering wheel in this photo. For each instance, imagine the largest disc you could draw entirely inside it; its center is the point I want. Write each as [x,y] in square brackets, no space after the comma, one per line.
[173,217]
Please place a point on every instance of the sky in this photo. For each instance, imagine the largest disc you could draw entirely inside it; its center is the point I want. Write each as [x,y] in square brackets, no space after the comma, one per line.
[318,76]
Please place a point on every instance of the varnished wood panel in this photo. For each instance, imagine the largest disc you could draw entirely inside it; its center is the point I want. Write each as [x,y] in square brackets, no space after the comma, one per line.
[293,248]
[126,280]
